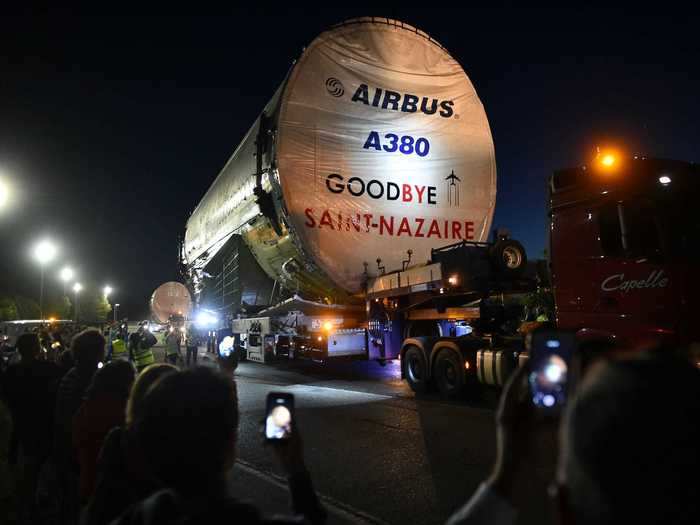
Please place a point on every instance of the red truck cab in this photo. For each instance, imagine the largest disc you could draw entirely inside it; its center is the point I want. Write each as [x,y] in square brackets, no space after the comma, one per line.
[624,251]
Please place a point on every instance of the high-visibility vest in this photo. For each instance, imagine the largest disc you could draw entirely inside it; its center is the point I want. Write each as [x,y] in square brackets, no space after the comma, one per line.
[119,350]
[143,357]
[171,345]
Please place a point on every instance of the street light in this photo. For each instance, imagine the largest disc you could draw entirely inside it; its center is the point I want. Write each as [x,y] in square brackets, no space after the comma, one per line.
[66,275]
[116,307]
[107,290]
[76,288]
[4,194]
[44,252]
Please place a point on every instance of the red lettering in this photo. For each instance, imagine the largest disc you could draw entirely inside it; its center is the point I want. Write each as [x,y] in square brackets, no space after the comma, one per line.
[434,229]
[420,226]
[310,219]
[469,230]
[368,220]
[356,222]
[446,236]
[404,228]
[407,196]
[388,225]
[326,219]
[456,230]
[420,190]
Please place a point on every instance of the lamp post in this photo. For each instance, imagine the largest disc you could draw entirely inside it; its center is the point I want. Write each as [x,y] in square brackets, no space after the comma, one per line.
[4,194]
[116,307]
[66,275]
[44,252]
[76,288]
[107,290]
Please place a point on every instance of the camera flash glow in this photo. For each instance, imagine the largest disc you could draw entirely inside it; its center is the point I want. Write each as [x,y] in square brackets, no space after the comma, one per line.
[553,372]
[552,343]
[548,400]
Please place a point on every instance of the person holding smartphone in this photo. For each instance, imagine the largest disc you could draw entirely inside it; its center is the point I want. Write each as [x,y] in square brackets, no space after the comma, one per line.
[627,449]
[196,411]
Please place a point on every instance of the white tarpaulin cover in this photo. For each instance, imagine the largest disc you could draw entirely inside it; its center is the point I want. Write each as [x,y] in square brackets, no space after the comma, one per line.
[382,146]
[171,298]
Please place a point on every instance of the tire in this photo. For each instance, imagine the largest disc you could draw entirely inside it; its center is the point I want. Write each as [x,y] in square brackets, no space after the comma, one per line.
[508,258]
[448,374]
[415,370]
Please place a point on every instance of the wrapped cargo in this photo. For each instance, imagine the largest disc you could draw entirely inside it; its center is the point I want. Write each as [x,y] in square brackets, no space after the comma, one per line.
[375,144]
[171,299]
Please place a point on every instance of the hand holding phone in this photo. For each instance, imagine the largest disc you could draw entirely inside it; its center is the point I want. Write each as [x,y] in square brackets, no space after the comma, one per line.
[279,416]
[281,432]
[549,369]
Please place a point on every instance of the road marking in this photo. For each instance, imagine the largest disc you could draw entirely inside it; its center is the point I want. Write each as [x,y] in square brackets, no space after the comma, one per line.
[332,505]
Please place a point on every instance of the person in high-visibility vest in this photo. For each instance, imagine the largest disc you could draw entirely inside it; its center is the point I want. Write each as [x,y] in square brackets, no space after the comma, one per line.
[172,345]
[140,344]
[119,351]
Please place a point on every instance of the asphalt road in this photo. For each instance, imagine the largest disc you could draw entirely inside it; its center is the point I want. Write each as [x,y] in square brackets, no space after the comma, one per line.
[377,454]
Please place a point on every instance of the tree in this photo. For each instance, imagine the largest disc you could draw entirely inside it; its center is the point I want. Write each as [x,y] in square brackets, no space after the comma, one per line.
[8,309]
[27,308]
[60,308]
[94,307]
[103,308]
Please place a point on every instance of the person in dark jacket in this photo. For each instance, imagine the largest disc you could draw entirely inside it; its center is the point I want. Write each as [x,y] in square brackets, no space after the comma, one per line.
[30,390]
[191,345]
[103,409]
[88,349]
[197,410]
[628,448]
[121,476]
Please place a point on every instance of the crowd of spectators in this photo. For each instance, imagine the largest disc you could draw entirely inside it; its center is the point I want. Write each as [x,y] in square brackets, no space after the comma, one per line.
[98,443]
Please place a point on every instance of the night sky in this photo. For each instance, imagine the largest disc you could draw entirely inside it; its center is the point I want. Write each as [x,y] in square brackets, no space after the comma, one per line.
[112,129]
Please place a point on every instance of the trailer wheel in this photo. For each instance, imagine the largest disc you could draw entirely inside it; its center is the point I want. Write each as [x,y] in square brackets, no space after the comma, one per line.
[448,374]
[415,369]
[508,257]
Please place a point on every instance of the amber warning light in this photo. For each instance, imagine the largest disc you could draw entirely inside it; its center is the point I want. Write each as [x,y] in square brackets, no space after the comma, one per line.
[607,160]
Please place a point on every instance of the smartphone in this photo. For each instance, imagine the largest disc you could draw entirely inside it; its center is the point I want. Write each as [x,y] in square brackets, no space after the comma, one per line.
[550,364]
[279,416]
[226,346]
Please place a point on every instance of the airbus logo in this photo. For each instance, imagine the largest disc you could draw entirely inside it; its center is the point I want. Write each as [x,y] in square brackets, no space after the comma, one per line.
[335,87]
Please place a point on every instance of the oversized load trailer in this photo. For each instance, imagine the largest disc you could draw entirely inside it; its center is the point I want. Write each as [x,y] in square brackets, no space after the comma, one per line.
[370,179]
[300,328]
[375,144]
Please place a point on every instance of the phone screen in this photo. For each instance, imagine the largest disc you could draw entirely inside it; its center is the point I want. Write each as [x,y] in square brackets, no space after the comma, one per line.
[226,346]
[550,359]
[279,416]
